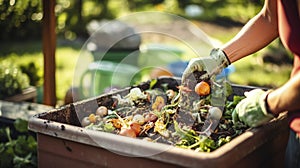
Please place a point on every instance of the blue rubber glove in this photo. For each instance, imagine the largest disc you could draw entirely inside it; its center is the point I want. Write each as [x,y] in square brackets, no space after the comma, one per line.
[217,60]
[253,110]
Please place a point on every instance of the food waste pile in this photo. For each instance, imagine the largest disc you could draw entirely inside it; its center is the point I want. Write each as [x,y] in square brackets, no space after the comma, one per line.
[186,117]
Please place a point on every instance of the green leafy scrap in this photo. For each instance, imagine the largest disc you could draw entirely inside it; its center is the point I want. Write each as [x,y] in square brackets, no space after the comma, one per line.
[189,140]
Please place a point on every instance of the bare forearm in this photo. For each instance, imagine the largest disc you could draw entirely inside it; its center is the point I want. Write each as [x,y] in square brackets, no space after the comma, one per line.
[256,34]
[287,97]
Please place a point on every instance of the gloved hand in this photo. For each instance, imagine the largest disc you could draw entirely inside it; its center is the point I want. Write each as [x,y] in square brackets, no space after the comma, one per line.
[217,59]
[253,109]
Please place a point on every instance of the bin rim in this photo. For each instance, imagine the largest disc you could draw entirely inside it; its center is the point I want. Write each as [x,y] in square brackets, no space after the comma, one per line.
[173,155]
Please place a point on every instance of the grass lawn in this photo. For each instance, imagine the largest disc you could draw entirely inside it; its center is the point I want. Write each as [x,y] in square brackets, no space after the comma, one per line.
[250,71]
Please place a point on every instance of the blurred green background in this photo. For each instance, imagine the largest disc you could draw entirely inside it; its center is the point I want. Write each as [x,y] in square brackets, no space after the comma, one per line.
[21,39]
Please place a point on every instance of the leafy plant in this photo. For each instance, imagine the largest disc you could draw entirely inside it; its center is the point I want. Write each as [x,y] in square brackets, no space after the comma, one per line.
[12,80]
[19,151]
[32,71]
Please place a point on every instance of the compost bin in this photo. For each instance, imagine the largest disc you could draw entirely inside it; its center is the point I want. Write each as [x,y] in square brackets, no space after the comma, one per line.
[63,142]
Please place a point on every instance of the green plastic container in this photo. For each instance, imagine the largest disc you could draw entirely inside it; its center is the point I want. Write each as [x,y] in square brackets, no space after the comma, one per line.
[125,56]
[102,75]
[159,55]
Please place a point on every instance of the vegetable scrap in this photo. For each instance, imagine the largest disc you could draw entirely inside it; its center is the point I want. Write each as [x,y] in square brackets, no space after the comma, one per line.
[155,115]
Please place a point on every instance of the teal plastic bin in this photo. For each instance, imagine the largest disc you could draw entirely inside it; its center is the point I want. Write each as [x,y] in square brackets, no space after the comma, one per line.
[158,55]
[102,75]
[125,56]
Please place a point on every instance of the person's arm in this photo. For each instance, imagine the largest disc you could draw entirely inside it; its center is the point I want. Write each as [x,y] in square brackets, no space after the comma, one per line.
[259,106]
[256,34]
[285,98]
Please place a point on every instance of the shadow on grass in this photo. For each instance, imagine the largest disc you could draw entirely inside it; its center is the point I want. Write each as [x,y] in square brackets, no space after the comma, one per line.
[34,46]
[20,47]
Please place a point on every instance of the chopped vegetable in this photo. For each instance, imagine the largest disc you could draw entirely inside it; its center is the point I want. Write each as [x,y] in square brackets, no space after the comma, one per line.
[171,94]
[136,128]
[136,94]
[139,119]
[129,132]
[150,117]
[115,122]
[102,111]
[202,88]
[152,83]
[92,118]
[85,121]
[161,128]
[215,113]
[159,103]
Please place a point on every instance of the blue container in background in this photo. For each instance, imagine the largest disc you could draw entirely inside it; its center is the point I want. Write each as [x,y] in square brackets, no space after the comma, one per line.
[177,68]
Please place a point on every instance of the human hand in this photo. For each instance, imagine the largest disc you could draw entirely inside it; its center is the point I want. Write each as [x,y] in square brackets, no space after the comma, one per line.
[252,110]
[216,61]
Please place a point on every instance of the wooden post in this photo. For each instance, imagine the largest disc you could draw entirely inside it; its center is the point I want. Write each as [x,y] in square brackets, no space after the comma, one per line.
[49,45]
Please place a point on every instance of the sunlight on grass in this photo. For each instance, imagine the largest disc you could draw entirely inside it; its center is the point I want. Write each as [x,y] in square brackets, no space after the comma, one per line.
[249,71]
[66,59]
[237,12]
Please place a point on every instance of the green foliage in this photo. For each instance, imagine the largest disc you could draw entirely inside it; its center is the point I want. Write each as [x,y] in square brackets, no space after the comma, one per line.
[225,10]
[32,72]
[18,152]
[12,80]
[21,125]
[73,16]
[20,19]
